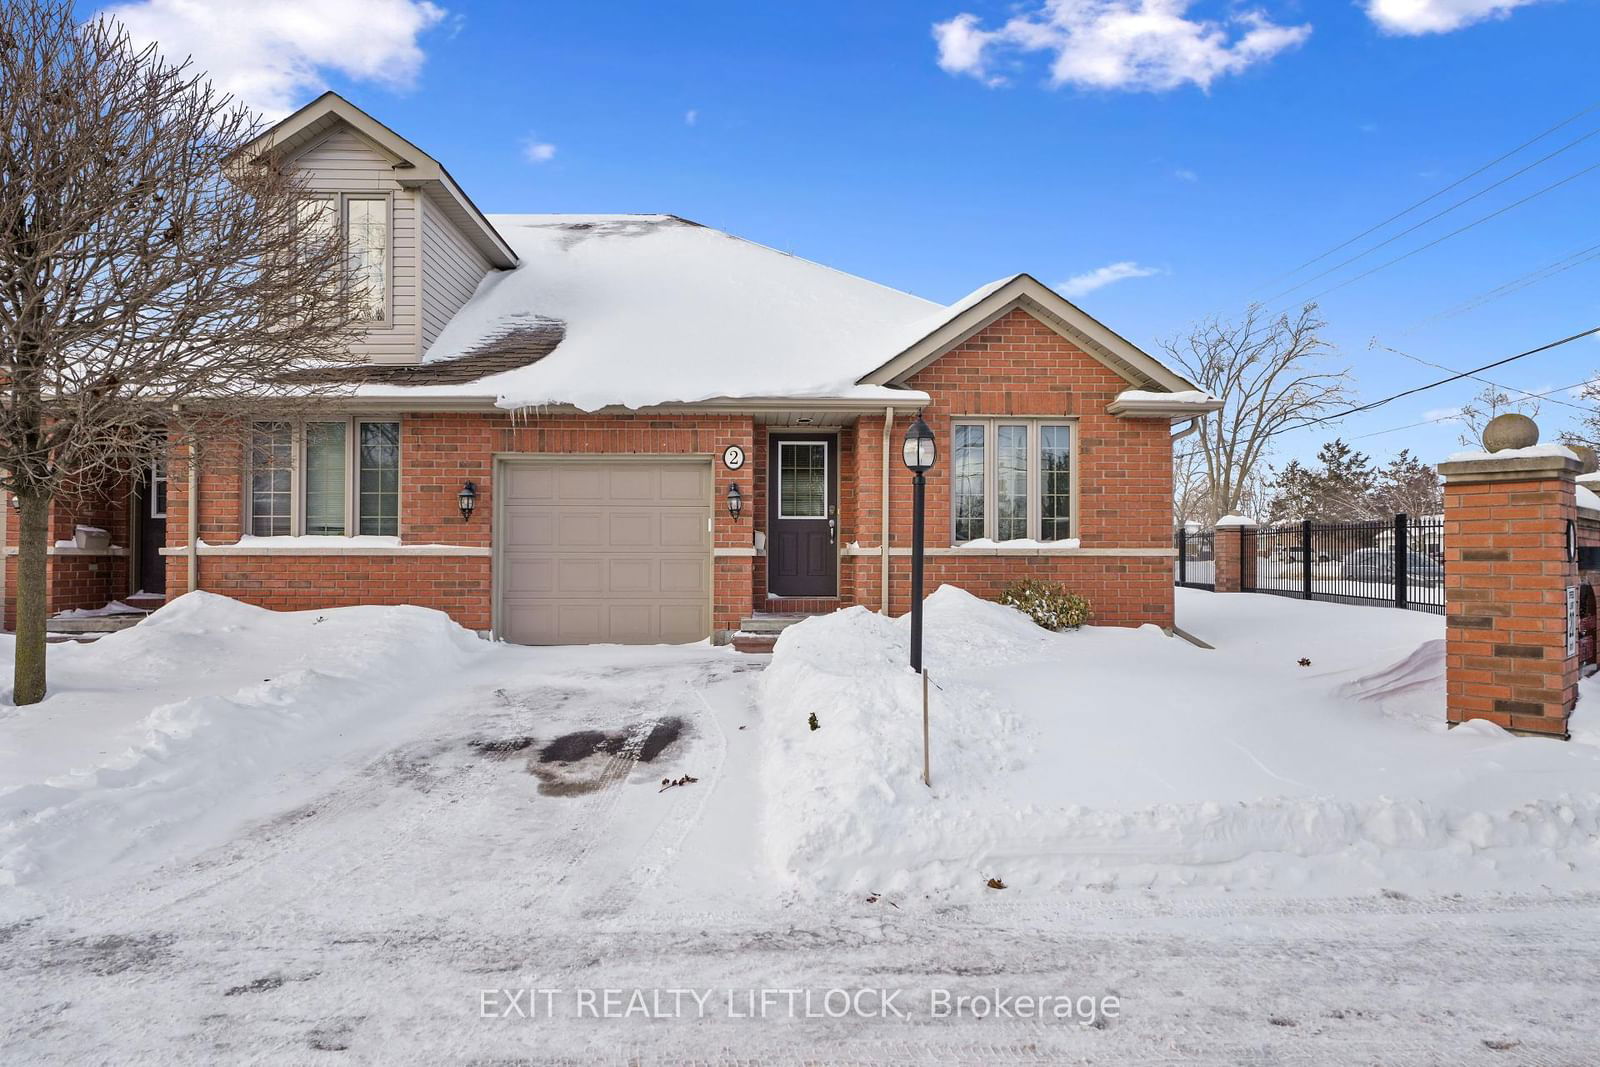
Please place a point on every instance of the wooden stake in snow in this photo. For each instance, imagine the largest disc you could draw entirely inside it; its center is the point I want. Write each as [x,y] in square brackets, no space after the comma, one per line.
[927,778]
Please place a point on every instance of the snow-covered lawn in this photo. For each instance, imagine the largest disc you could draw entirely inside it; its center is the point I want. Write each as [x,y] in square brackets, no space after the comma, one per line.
[237,835]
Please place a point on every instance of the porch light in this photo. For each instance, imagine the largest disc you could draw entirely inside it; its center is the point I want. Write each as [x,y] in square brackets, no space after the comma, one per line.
[919,450]
[735,500]
[468,500]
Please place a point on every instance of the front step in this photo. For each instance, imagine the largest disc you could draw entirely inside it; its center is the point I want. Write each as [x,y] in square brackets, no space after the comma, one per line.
[759,632]
[85,626]
[145,601]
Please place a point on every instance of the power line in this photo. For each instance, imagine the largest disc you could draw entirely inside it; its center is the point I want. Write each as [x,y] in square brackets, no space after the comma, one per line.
[1434,196]
[1434,422]
[1414,227]
[1453,233]
[1456,377]
[1520,282]
[1524,394]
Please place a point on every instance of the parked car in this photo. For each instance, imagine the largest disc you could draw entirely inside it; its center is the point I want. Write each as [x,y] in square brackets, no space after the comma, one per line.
[1377,565]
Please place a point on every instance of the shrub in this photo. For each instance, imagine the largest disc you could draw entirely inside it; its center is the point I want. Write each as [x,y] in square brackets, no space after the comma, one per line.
[1047,603]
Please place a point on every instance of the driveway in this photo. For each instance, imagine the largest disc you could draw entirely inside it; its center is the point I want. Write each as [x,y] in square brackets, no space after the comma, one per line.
[522,839]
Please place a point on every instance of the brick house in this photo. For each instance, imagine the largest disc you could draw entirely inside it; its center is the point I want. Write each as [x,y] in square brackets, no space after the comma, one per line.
[603,387]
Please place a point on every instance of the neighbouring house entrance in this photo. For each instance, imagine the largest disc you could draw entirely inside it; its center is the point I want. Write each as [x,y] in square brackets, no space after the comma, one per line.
[803,517]
[150,505]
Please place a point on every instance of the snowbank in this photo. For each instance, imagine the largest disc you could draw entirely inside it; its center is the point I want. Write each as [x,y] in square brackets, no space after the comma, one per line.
[1118,757]
[145,730]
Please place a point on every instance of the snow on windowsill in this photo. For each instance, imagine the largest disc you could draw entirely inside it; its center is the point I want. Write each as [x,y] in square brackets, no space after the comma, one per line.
[1020,543]
[327,545]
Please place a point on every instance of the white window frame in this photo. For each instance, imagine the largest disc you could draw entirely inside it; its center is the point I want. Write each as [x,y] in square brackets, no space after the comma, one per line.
[352,492]
[991,482]
[158,480]
[341,220]
[827,477]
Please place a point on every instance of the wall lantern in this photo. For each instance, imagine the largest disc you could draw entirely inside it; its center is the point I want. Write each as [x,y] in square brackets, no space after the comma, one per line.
[468,500]
[735,500]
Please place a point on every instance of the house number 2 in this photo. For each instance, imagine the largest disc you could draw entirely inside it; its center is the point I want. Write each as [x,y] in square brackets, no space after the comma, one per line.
[733,457]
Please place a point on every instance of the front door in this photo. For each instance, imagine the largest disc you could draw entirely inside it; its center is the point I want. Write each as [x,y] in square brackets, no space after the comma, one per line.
[803,517]
[151,505]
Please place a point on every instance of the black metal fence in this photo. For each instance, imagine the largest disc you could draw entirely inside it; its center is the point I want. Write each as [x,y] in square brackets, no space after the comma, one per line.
[1197,558]
[1398,563]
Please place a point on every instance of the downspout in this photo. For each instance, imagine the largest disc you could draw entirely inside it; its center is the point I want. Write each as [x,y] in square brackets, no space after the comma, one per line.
[883,537]
[1194,424]
[192,560]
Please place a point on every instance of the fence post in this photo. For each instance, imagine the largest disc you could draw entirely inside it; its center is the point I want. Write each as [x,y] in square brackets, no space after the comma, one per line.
[1401,551]
[1305,559]
[1183,555]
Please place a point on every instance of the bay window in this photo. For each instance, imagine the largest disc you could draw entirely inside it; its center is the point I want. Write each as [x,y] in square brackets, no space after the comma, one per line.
[325,477]
[1011,479]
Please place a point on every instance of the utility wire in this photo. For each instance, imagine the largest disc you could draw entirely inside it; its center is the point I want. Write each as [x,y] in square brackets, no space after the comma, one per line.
[1413,391]
[1520,282]
[1453,233]
[1434,196]
[1434,422]
[1522,393]
[1414,227]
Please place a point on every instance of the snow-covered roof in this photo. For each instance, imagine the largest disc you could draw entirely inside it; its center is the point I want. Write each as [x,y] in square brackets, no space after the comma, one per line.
[659,310]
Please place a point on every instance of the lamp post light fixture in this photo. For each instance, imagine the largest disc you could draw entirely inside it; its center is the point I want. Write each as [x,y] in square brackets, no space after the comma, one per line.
[919,452]
[735,500]
[468,500]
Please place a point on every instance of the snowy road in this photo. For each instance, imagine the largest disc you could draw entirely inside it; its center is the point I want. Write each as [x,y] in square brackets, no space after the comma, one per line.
[365,921]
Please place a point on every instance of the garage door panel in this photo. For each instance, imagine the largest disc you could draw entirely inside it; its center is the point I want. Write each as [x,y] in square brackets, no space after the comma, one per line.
[612,551]
[684,576]
[684,528]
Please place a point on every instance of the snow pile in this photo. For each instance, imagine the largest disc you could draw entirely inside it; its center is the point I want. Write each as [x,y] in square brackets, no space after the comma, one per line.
[660,310]
[146,731]
[1117,757]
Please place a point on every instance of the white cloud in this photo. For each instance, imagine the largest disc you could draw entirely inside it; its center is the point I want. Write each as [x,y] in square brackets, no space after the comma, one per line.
[1184,174]
[691,117]
[538,151]
[273,53]
[1413,17]
[1118,44]
[1100,277]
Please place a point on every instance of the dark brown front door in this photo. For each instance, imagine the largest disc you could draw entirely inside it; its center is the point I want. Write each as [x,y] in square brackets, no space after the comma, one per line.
[151,505]
[802,516]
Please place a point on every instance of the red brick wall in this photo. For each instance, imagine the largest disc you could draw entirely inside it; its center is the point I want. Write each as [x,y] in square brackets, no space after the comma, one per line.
[438,452]
[1506,575]
[76,581]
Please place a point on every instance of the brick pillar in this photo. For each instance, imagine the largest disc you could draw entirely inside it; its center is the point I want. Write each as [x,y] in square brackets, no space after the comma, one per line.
[1507,572]
[1234,547]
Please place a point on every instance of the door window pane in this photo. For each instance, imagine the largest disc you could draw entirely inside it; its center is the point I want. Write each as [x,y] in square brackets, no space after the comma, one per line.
[271,458]
[1011,482]
[325,478]
[802,480]
[967,482]
[379,478]
[367,229]
[1055,482]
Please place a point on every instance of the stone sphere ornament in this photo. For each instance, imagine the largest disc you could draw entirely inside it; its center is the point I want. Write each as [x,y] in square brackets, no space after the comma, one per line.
[1588,457]
[1510,430]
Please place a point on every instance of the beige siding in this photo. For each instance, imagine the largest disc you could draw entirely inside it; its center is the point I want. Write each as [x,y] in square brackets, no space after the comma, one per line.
[451,270]
[346,162]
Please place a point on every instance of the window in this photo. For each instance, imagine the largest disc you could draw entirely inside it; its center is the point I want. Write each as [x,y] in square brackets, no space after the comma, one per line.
[312,477]
[158,489]
[366,227]
[366,234]
[802,480]
[1011,479]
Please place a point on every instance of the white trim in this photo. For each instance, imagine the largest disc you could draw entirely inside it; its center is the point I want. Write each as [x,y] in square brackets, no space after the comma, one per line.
[719,552]
[1033,515]
[73,550]
[259,549]
[1046,550]
[827,475]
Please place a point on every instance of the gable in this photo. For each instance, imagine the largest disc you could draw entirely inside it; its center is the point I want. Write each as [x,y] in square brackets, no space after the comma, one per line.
[342,160]
[1022,292]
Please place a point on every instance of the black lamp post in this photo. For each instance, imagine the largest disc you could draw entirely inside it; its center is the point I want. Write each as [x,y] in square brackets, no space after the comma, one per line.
[919,452]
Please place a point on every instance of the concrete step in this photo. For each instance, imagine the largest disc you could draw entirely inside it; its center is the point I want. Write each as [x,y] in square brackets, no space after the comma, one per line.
[94,624]
[763,622]
[145,601]
[753,643]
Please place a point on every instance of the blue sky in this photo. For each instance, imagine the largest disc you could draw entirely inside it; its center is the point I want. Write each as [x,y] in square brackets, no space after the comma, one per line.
[1216,148]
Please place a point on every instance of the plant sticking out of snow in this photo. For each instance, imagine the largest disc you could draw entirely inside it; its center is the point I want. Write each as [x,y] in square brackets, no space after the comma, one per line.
[1047,603]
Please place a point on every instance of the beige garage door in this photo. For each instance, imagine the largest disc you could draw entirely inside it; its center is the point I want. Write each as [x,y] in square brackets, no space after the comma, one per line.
[604,551]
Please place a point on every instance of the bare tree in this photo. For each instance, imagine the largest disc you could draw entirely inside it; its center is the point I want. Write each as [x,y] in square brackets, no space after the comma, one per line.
[1485,405]
[1265,371]
[153,280]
